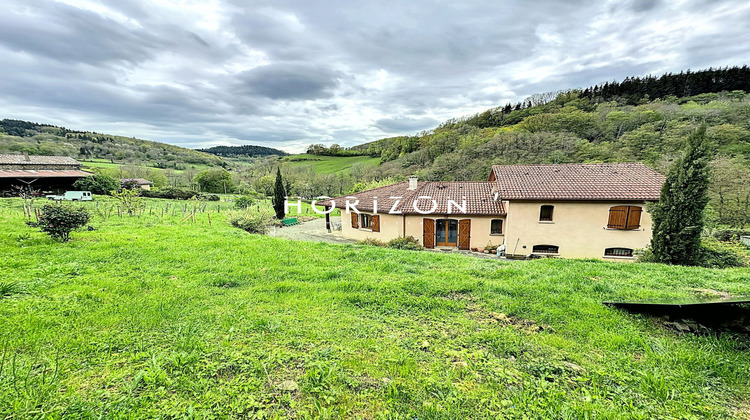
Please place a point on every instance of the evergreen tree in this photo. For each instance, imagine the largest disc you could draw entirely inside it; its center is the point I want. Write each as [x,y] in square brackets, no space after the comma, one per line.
[278,195]
[678,216]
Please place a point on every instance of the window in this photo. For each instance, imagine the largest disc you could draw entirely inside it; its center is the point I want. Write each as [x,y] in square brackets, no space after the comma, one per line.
[545,213]
[545,249]
[366,221]
[624,217]
[496,227]
[618,252]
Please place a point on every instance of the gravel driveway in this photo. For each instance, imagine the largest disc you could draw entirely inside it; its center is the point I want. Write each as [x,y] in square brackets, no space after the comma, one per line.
[314,230]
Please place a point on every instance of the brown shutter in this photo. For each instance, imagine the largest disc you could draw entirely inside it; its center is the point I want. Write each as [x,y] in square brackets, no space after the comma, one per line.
[355,220]
[375,223]
[634,217]
[464,230]
[618,216]
[428,233]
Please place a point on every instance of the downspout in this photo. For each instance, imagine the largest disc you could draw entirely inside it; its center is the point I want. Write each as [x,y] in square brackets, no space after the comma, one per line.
[403,225]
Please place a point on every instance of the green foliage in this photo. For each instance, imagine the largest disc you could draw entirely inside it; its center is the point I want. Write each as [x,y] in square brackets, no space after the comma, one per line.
[250,221]
[243,202]
[279,195]
[171,193]
[716,254]
[243,151]
[409,243]
[10,288]
[98,184]
[215,181]
[59,220]
[371,242]
[129,201]
[678,216]
[730,235]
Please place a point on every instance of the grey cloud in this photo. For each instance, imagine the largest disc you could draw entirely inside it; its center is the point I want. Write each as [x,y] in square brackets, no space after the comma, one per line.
[289,81]
[405,125]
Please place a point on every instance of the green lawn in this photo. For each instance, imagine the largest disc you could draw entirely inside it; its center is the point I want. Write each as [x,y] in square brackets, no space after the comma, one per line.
[107,164]
[328,164]
[153,316]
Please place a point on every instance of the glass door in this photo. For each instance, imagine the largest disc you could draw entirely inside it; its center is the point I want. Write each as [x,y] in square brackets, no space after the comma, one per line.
[446,232]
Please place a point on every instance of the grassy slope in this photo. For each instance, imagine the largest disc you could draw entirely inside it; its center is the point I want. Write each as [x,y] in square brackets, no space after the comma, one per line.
[147,317]
[328,164]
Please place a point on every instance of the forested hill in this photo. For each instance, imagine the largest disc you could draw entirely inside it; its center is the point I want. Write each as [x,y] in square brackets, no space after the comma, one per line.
[638,119]
[44,139]
[243,151]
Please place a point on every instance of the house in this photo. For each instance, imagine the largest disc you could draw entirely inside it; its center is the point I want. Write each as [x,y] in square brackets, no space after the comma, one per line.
[567,210]
[44,173]
[141,183]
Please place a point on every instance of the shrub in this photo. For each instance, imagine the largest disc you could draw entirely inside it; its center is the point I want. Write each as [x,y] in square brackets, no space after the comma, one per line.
[715,254]
[243,202]
[129,201]
[251,221]
[371,242]
[59,220]
[97,184]
[409,242]
[730,235]
[212,197]
[178,194]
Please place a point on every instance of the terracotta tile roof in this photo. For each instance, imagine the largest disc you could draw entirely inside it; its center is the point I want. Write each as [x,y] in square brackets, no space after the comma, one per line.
[49,173]
[592,181]
[478,197]
[37,160]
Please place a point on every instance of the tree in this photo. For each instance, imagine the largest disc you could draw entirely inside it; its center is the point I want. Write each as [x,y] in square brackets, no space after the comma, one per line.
[279,195]
[678,216]
[215,181]
[58,220]
[97,184]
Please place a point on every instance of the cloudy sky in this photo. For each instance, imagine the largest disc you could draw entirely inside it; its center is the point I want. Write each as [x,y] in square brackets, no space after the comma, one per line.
[289,73]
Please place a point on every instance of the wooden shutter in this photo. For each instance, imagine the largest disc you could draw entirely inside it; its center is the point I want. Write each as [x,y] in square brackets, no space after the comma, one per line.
[355,220]
[464,231]
[618,216]
[375,223]
[428,233]
[634,217]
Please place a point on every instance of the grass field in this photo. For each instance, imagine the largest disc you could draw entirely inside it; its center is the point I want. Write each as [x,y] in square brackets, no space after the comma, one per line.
[328,164]
[107,164]
[156,316]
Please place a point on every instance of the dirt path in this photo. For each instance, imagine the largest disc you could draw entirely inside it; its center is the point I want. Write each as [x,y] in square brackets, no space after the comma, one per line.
[314,230]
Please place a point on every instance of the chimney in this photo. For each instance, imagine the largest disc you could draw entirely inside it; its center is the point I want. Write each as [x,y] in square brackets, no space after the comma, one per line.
[413,182]
[26,157]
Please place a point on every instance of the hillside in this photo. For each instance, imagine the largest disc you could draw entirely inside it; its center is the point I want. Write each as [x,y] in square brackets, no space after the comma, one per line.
[44,139]
[155,315]
[243,151]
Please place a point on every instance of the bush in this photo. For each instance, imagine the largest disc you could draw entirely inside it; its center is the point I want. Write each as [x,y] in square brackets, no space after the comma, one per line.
[97,184]
[243,202]
[59,220]
[176,194]
[371,242]
[211,197]
[730,235]
[715,254]
[408,242]
[250,221]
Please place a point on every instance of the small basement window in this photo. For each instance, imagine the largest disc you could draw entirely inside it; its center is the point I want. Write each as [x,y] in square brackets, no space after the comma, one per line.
[545,249]
[618,252]
[496,227]
[366,221]
[545,213]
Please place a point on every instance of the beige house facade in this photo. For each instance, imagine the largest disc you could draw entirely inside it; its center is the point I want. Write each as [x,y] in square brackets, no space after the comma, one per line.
[569,211]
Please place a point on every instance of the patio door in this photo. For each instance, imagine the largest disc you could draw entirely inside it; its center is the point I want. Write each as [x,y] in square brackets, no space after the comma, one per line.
[446,232]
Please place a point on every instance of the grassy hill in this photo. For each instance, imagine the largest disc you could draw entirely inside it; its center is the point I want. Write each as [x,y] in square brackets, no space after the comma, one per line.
[328,164]
[155,316]
[44,139]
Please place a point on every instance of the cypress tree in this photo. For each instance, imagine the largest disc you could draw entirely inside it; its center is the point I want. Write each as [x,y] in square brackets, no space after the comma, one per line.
[279,195]
[678,216]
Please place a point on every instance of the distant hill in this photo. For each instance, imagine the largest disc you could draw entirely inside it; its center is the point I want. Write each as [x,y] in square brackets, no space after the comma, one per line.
[44,139]
[243,151]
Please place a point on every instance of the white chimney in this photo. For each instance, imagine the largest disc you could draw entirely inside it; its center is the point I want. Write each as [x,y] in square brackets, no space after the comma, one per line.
[413,182]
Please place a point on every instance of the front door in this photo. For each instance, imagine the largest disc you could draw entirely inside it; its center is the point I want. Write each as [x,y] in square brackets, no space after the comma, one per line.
[446,232]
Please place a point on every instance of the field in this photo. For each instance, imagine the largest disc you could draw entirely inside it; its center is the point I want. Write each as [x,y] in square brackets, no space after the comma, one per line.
[90,164]
[162,316]
[328,164]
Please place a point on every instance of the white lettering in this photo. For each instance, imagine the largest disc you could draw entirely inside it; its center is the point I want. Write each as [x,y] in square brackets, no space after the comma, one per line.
[350,205]
[452,203]
[287,205]
[393,208]
[431,210]
[322,197]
